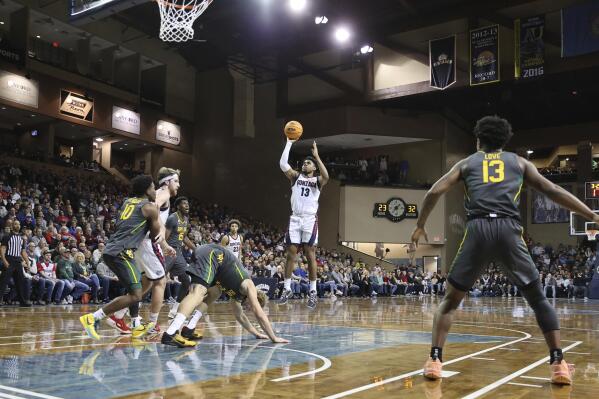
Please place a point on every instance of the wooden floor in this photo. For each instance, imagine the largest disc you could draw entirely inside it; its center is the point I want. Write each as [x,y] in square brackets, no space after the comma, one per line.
[356,348]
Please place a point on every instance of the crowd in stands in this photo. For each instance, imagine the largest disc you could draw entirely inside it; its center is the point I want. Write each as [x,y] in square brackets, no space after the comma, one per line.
[66,222]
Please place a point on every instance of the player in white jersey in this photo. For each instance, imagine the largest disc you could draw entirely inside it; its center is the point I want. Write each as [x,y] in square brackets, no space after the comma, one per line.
[303,223]
[233,241]
[149,258]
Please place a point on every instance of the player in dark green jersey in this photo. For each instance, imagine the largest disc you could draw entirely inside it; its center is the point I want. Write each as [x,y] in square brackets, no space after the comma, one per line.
[136,217]
[213,265]
[493,181]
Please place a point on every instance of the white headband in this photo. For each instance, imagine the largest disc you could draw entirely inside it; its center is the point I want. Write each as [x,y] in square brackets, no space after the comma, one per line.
[167,178]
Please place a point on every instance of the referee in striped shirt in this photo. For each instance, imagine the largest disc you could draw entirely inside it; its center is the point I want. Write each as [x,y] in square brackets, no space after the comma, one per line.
[14,256]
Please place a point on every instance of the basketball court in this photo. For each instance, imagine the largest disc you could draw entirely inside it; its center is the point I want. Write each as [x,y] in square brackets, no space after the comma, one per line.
[358,348]
[347,347]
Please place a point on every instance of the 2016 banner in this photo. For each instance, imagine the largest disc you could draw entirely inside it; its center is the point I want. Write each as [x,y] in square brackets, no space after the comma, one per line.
[530,47]
[484,55]
[442,62]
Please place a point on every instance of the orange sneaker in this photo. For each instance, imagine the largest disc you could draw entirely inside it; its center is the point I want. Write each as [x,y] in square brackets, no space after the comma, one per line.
[432,369]
[561,373]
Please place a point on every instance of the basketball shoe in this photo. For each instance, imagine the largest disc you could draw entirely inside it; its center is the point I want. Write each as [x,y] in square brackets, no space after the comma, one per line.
[561,373]
[285,296]
[118,324]
[177,340]
[142,330]
[312,299]
[190,334]
[90,324]
[432,369]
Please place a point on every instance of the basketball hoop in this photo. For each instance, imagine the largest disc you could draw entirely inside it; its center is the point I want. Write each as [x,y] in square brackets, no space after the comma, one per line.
[177,18]
[592,234]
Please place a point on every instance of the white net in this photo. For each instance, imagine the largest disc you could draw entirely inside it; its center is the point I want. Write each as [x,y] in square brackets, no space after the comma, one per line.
[177,18]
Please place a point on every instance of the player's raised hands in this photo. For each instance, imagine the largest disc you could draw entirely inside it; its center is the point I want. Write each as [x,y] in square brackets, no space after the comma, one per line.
[314,149]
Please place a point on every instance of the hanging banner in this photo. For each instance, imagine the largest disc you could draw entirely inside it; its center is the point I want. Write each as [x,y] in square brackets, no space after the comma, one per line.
[529,47]
[76,106]
[19,89]
[484,55]
[442,62]
[580,29]
[168,132]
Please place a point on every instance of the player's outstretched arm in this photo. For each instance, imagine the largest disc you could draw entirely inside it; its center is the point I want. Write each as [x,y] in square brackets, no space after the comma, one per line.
[555,193]
[324,173]
[244,321]
[284,162]
[432,197]
[152,215]
[252,298]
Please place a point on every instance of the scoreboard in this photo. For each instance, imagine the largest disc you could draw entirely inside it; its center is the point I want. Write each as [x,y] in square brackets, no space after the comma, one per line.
[591,190]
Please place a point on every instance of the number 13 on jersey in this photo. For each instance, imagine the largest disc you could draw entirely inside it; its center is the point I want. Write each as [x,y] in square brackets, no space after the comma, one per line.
[493,171]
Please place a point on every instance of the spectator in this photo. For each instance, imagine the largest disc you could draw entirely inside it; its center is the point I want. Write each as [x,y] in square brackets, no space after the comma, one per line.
[64,270]
[83,272]
[47,270]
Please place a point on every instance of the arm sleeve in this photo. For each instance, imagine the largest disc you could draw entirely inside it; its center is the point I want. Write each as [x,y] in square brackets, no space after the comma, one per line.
[284,161]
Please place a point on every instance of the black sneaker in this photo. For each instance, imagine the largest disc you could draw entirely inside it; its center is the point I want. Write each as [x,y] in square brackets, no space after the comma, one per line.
[192,335]
[312,299]
[177,340]
[285,296]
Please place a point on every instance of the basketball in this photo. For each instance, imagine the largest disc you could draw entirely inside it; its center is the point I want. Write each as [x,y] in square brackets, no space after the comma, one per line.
[293,130]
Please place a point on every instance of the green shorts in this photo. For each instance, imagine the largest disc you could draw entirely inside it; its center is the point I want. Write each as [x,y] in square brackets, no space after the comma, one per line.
[123,265]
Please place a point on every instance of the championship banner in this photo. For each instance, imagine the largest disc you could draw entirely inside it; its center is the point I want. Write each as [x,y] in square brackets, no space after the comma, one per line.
[442,62]
[580,29]
[529,47]
[266,284]
[484,55]
[76,106]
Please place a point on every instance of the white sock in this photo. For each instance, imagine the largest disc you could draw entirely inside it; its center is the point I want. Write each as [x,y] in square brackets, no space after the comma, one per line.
[119,314]
[288,284]
[99,314]
[135,321]
[176,324]
[195,317]
[175,307]
[154,317]
[312,285]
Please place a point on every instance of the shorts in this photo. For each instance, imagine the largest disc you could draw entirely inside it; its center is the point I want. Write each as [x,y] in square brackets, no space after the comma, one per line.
[176,265]
[302,230]
[150,260]
[123,265]
[492,240]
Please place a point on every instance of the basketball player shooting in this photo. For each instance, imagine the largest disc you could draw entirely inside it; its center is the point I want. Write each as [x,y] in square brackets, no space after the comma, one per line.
[493,180]
[303,223]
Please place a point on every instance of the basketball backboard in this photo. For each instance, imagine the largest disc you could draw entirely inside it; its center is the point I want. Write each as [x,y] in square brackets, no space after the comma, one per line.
[580,226]
[87,10]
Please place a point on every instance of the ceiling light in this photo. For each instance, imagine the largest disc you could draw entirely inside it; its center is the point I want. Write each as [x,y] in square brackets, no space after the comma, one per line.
[3,108]
[321,20]
[33,115]
[99,139]
[297,5]
[365,49]
[1,22]
[18,123]
[567,159]
[529,152]
[125,144]
[342,34]
[38,36]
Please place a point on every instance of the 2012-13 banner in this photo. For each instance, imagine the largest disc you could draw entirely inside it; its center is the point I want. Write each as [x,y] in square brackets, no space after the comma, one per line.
[484,55]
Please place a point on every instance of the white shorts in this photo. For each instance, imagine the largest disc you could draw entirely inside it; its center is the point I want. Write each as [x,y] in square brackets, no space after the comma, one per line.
[149,260]
[302,230]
